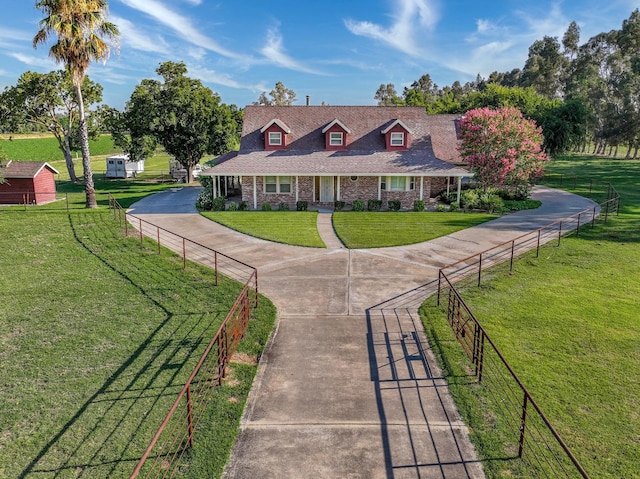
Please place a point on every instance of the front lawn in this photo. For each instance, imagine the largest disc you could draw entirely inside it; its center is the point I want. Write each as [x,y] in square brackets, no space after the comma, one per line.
[375,229]
[297,228]
[568,324]
[97,337]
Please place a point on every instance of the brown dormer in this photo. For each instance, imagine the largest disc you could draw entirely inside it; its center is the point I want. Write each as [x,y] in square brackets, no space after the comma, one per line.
[275,135]
[397,136]
[335,135]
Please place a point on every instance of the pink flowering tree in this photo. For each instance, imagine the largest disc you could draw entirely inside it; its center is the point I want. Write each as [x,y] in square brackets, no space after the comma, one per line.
[501,147]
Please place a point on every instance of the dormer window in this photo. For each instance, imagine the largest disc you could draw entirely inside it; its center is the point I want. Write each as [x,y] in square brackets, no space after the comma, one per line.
[336,135]
[275,138]
[336,138]
[275,135]
[397,135]
[397,139]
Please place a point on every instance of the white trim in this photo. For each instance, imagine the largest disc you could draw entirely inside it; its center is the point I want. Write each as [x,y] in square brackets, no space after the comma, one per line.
[273,143]
[421,187]
[331,143]
[448,180]
[278,184]
[336,122]
[459,187]
[297,193]
[338,188]
[402,138]
[379,188]
[275,121]
[395,123]
[255,194]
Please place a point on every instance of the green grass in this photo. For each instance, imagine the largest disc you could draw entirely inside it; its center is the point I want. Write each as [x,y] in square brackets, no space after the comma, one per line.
[45,148]
[568,324]
[378,229]
[97,336]
[291,227]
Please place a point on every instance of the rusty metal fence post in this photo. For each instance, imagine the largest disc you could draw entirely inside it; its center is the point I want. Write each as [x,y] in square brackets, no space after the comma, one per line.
[189,416]
[523,424]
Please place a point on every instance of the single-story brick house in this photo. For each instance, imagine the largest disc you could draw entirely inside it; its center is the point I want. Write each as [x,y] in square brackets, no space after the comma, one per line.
[32,182]
[322,154]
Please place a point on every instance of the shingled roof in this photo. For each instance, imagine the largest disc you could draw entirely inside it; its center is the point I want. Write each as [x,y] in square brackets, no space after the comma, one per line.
[433,148]
[25,169]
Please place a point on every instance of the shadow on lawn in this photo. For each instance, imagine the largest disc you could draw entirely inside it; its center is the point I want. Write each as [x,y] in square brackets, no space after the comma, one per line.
[109,432]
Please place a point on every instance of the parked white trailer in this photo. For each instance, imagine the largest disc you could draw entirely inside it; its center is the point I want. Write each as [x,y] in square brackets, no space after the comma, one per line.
[119,166]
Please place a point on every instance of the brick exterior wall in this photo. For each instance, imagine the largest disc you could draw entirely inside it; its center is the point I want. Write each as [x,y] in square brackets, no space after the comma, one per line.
[364,188]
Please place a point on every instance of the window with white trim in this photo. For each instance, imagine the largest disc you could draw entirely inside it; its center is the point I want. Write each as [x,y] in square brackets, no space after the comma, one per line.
[397,139]
[275,138]
[397,183]
[277,184]
[335,138]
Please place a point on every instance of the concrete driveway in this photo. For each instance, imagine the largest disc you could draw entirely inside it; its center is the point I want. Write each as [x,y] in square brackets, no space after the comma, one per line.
[348,385]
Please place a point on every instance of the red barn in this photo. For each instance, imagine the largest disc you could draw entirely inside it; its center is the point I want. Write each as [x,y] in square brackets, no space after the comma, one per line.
[30,181]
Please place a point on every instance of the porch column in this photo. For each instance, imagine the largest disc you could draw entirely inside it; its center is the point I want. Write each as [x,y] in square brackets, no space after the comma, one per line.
[338,188]
[421,188]
[313,189]
[297,197]
[226,191]
[255,194]
[379,188]
[215,186]
[459,187]
[448,180]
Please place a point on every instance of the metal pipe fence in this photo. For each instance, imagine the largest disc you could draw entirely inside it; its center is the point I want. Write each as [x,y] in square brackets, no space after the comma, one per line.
[538,443]
[177,433]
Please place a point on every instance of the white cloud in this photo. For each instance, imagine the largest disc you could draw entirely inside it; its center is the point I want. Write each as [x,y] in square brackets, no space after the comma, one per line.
[181,25]
[36,61]
[10,37]
[193,2]
[485,26]
[133,36]
[207,75]
[413,16]
[274,51]
[197,53]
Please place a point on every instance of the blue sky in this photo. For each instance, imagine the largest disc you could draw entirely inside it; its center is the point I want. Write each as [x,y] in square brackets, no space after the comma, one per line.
[338,52]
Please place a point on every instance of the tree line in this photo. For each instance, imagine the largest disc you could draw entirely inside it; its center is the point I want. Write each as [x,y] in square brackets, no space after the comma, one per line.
[578,93]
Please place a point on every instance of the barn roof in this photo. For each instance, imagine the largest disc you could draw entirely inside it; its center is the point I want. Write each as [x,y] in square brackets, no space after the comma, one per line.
[25,169]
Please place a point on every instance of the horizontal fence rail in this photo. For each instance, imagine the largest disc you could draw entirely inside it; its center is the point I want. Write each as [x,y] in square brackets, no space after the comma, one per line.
[538,443]
[176,434]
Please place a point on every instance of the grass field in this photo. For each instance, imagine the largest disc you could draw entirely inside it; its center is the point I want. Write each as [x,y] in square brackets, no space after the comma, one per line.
[290,227]
[568,324]
[44,147]
[375,229]
[97,336]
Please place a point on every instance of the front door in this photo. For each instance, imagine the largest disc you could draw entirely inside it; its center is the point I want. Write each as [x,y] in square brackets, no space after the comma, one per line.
[326,189]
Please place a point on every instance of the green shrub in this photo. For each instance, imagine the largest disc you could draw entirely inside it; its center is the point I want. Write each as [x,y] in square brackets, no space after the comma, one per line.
[338,205]
[266,206]
[283,207]
[358,205]
[490,202]
[374,205]
[218,204]
[204,201]
[455,206]
[302,205]
[441,208]
[470,199]
[418,205]
[233,206]
[394,205]
[206,181]
[243,206]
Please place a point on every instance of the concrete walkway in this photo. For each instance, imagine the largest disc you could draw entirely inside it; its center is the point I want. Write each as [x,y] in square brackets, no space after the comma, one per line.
[348,385]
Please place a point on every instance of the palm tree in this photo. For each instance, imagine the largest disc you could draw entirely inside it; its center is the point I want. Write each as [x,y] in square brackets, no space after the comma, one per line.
[80,28]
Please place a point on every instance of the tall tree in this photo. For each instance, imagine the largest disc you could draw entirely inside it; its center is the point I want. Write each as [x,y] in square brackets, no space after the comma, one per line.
[49,101]
[544,67]
[182,115]
[80,27]
[280,96]
[502,147]
[387,95]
